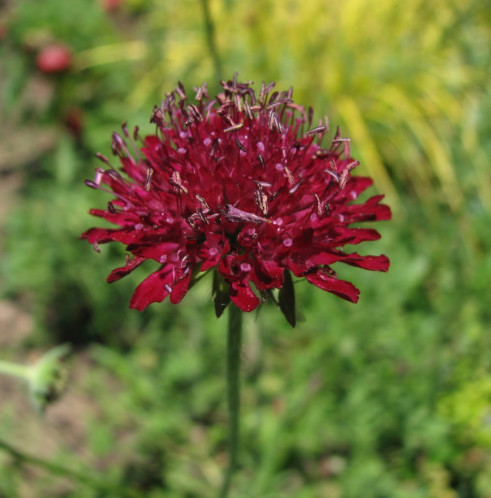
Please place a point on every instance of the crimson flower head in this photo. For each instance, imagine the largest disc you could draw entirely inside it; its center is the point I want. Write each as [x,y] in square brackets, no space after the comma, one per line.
[239,185]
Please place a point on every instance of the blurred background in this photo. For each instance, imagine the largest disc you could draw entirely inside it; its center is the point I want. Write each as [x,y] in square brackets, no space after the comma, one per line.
[387,398]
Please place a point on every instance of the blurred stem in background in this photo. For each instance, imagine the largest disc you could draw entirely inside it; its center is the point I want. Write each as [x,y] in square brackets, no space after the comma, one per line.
[62,471]
[210,40]
[233,392]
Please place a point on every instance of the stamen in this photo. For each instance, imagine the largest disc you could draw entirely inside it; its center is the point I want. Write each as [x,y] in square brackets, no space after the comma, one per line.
[192,109]
[333,174]
[181,91]
[321,154]
[201,92]
[124,127]
[91,184]
[310,116]
[202,216]
[112,173]
[248,111]
[238,102]
[103,158]
[296,187]
[99,173]
[148,179]
[276,122]
[261,161]
[345,173]
[117,146]
[318,129]
[240,146]
[261,199]
[234,127]
[158,117]
[273,97]
[176,182]
[291,180]
[318,204]
[204,204]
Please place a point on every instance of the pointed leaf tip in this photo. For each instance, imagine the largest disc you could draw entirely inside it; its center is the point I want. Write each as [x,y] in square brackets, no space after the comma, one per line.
[286,299]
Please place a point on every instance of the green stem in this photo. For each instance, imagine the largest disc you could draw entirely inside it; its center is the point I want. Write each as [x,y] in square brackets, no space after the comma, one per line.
[233,392]
[62,471]
[210,39]
[14,370]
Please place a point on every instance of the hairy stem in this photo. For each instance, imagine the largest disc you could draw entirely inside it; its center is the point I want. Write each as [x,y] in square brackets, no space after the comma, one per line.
[233,392]
[210,39]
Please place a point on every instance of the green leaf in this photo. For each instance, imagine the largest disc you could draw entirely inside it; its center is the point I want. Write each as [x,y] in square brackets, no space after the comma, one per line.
[286,299]
[221,293]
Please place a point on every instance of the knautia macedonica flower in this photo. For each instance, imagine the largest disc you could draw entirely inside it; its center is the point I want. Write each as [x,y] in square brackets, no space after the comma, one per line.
[240,185]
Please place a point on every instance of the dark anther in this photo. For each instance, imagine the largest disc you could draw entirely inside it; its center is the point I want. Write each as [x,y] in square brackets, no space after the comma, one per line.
[214,146]
[103,158]
[117,145]
[124,127]
[273,97]
[261,161]
[310,116]
[338,133]
[91,184]
[239,145]
[112,173]
[111,208]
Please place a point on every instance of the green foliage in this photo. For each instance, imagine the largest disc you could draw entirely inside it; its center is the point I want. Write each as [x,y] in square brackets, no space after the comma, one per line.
[388,398]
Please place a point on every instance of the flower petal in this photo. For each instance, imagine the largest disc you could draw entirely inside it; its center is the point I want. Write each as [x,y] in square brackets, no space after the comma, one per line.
[180,288]
[153,289]
[121,272]
[241,294]
[341,288]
